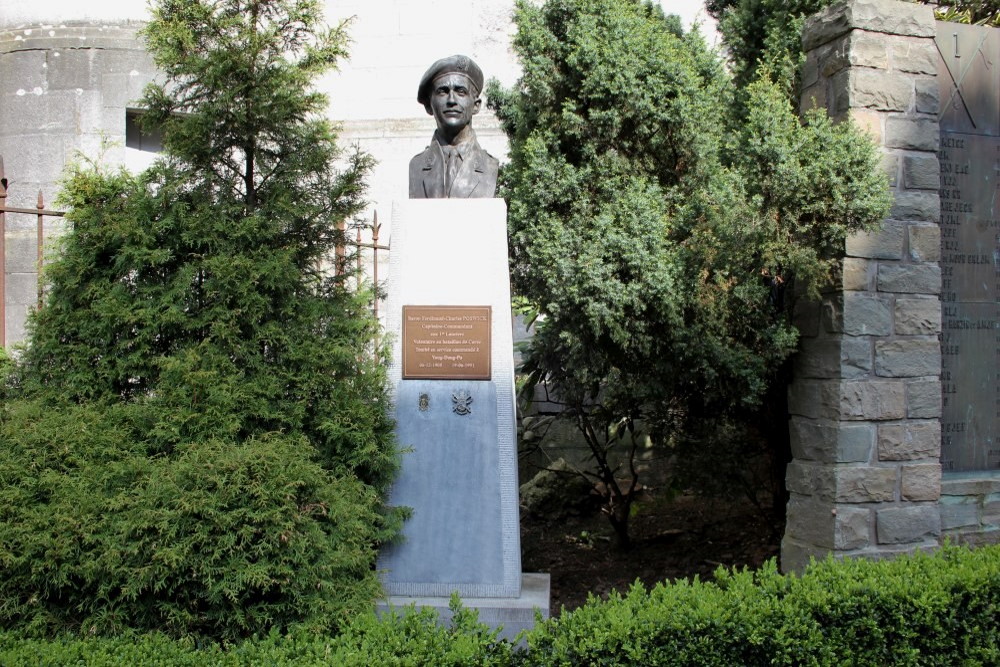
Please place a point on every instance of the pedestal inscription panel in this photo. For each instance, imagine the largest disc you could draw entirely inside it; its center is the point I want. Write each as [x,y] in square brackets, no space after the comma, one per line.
[970,238]
[970,289]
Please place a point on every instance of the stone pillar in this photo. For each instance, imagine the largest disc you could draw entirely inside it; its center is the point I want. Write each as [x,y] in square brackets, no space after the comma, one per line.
[866,400]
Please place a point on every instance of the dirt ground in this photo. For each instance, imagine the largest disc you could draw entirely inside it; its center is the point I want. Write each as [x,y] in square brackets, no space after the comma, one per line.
[674,539]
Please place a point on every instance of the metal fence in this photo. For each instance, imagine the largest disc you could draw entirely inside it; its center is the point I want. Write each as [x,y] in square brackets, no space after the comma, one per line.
[40,213]
[374,247]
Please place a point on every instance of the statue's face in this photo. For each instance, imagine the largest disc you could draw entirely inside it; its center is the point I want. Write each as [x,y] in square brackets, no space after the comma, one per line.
[453,102]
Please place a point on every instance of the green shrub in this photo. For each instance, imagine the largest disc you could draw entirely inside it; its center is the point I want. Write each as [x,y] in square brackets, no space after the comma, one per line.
[221,538]
[196,437]
[940,609]
[417,638]
[656,229]
[921,610]
[411,639]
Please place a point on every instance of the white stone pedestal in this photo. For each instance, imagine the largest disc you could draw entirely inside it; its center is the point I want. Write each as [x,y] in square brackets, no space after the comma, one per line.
[460,471]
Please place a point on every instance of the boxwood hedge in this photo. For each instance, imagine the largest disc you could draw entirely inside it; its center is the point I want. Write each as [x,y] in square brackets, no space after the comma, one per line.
[926,609]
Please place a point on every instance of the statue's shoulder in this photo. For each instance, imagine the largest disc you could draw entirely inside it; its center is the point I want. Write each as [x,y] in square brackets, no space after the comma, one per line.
[486,156]
[424,154]
[424,159]
[492,164]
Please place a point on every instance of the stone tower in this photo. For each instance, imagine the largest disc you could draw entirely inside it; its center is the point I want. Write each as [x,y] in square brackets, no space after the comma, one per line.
[68,74]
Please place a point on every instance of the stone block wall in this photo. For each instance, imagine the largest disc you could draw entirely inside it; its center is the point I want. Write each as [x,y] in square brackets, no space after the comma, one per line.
[64,91]
[866,400]
[970,508]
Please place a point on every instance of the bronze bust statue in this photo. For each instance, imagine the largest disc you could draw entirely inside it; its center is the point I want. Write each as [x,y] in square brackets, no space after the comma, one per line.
[454,165]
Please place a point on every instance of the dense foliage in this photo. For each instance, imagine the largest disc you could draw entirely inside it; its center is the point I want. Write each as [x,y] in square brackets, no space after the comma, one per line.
[977,12]
[655,229]
[764,34]
[196,437]
[921,610]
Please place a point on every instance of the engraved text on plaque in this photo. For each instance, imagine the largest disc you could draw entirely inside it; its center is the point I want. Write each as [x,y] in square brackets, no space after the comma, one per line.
[446,342]
[969,156]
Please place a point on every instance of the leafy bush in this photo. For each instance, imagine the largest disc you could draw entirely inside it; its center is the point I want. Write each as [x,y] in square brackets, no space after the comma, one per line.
[412,639]
[655,229]
[221,538]
[764,35]
[922,610]
[196,438]
[941,609]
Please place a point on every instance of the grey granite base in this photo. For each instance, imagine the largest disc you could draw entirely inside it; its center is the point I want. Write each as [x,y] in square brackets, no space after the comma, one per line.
[454,540]
[512,614]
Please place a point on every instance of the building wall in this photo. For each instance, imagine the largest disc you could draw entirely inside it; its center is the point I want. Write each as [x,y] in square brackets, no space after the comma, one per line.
[64,90]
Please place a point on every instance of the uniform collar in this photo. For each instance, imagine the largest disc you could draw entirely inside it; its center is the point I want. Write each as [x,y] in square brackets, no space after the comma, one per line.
[435,153]
[463,148]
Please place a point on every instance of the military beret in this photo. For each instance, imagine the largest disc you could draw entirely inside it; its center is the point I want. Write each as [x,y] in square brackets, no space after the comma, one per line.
[451,64]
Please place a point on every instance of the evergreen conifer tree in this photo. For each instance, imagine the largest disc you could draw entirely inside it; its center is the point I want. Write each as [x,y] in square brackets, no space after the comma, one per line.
[655,227]
[196,435]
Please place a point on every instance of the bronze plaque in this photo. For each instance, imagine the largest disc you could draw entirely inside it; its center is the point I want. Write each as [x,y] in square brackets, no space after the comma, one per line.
[970,247]
[446,342]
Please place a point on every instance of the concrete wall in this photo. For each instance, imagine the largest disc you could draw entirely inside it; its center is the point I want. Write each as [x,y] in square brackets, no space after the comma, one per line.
[14,13]
[64,89]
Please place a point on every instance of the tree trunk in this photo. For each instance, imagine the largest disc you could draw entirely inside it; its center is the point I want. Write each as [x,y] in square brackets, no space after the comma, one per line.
[618,515]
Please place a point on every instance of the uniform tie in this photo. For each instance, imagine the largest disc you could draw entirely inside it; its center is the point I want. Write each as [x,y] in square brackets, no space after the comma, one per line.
[453,163]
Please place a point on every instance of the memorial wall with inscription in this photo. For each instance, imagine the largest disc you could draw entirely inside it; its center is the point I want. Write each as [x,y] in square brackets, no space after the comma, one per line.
[894,403]
[969,158]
